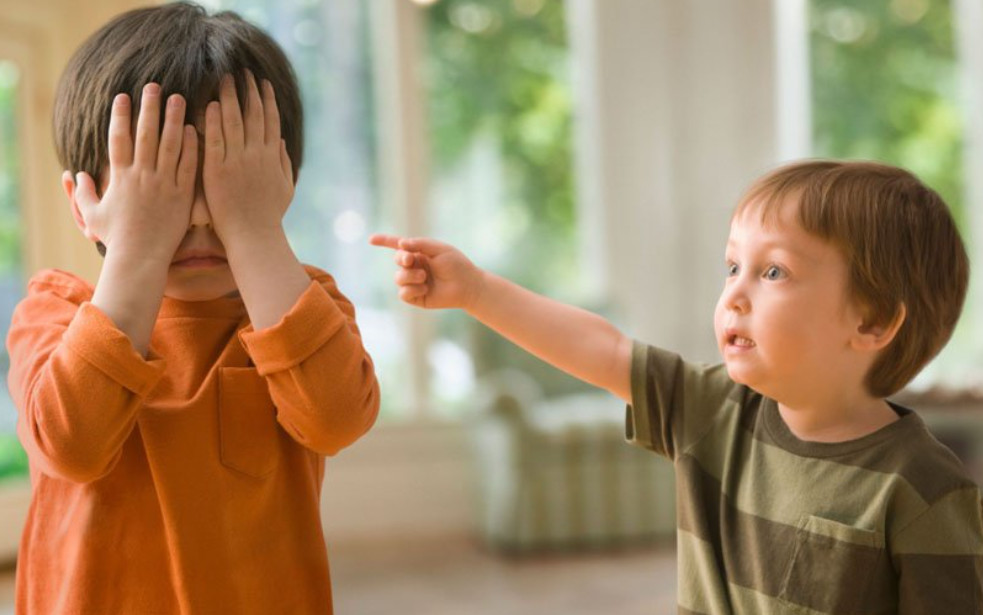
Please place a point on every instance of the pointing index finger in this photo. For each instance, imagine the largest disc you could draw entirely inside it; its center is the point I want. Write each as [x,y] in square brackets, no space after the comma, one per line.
[385,241]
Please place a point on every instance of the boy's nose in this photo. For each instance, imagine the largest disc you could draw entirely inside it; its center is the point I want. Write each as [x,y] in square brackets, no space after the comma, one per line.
[199,211]
[735,298]
[740,304]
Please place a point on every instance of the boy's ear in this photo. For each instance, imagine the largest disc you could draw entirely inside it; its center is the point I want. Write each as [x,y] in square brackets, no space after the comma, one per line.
[68,184]
[876,337]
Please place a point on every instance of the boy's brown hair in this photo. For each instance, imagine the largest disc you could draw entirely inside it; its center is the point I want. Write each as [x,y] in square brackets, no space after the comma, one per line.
[901,244]
[186,51]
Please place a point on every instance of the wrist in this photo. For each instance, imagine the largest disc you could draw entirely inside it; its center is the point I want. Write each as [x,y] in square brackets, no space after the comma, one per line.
[136,258]
[150,253]
[129,292]
[475,298]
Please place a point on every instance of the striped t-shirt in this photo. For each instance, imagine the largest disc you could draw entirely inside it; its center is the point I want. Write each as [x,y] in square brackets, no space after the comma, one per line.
[768,523]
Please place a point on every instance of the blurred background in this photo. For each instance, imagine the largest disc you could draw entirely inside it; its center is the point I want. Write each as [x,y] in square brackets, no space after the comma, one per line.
[591,150]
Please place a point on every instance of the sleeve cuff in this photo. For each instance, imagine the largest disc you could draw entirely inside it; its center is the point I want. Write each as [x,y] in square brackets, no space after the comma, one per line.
[94,337]
[309,324]
[638,429]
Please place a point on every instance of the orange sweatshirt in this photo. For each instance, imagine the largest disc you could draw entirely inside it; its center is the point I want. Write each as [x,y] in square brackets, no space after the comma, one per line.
[188,482]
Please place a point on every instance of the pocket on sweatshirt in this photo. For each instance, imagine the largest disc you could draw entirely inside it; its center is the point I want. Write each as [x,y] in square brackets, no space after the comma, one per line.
[830,567]
[248,432]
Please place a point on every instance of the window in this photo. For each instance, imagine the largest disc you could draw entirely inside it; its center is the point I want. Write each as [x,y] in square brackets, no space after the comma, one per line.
[12,459]
[498,106]
[499,100]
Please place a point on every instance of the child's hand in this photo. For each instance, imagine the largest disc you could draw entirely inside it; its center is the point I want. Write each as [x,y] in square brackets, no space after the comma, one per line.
[247,176]
[433,274]
[147,204]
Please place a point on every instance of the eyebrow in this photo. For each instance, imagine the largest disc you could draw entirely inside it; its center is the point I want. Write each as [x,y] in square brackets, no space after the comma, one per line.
[778,245]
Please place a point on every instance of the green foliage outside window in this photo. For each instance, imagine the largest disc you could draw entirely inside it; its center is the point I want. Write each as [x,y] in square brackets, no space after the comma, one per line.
[13,461]
[885,87]
[497,73]
[10,249]
[500,67]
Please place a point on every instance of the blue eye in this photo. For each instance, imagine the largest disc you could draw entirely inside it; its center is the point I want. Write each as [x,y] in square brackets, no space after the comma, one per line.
[774,273]
[732,270]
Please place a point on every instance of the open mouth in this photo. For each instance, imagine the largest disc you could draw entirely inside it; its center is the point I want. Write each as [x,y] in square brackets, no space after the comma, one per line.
[737,341]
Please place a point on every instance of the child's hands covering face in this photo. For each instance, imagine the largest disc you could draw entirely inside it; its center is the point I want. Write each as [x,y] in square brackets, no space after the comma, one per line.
[147,204]
[432,274]
[247,176]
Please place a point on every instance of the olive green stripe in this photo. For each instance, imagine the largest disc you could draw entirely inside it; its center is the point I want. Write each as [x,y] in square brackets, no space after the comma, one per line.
[747,600]
[759,553]
[939,583]
[936,470]
[950,527]
[697,502]
[638,426]
[699,578]
[782,486]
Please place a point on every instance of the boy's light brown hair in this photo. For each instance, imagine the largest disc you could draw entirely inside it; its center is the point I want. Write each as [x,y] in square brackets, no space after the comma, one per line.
[186,51]
[901,245]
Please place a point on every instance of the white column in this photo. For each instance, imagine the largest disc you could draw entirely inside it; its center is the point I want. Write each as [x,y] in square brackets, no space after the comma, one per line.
[396,45]
[968,23]
[675,117]
[793,90]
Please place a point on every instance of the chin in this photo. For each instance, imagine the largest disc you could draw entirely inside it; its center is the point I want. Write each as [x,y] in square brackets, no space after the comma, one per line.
[186,293]
[199,286]
[753,382]
[740,376]
[190,296]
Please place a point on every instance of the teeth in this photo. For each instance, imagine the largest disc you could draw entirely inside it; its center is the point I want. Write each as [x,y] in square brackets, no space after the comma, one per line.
[742,341]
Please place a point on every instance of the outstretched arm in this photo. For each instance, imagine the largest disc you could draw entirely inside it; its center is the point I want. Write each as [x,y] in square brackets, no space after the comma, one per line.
[436,275]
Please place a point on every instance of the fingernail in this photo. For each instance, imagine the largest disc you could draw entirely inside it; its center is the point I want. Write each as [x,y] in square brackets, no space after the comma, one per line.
[121,100]
[174,101]
[151,89]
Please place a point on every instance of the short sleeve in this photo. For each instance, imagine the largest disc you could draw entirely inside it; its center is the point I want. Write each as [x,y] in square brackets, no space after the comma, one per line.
[674,402]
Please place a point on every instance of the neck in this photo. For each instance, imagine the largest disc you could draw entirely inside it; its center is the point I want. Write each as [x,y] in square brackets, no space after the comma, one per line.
[840,419]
